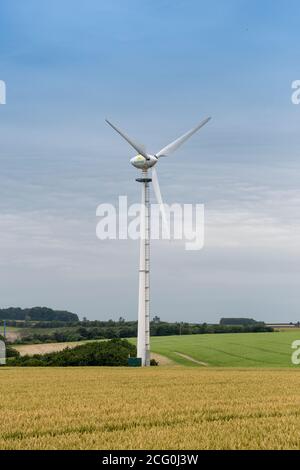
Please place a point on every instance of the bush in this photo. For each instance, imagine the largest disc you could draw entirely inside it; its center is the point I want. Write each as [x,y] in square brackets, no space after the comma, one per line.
[153,362]
[10,352]
[107,353]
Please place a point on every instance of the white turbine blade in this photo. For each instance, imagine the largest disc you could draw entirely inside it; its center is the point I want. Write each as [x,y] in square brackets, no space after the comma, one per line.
[138,147]
[178,142]
[157,193]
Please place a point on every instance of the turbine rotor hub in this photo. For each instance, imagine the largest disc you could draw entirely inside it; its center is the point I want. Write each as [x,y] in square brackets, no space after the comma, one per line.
[142,163]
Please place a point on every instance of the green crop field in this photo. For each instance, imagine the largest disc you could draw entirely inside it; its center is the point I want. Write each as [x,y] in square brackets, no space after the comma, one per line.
[216,350]
[229,350]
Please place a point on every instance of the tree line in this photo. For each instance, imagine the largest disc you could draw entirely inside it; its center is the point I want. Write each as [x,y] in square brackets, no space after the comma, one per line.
[129,330]
[37,314]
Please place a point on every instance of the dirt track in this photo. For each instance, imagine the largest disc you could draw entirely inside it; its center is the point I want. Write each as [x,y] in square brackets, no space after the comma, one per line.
[32,349]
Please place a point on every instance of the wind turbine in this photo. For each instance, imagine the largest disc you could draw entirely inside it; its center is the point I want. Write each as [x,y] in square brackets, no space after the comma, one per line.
[145,161]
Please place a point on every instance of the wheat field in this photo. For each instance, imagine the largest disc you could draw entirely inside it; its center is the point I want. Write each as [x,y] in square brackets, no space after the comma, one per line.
[156,408]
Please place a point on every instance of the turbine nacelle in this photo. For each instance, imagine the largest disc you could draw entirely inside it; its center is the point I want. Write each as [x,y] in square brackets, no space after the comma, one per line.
[142,163]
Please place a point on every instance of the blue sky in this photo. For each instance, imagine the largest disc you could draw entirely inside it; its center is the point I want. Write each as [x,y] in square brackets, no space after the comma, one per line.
[156,68]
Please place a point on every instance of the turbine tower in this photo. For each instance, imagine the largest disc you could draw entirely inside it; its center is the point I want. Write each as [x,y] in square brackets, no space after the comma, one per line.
[144,162]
